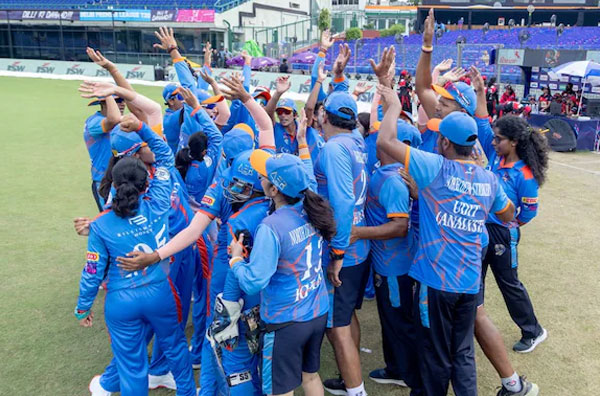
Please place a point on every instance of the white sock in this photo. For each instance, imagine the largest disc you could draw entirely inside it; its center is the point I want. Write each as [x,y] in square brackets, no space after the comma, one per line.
[358,391]
[512,383]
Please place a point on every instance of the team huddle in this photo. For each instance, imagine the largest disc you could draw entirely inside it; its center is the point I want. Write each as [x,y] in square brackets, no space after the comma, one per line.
[270,224]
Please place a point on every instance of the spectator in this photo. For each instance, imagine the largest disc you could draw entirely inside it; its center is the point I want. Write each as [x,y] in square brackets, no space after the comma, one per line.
[491,97]
[545,99]
[569,90]
[283,67]
[508,95]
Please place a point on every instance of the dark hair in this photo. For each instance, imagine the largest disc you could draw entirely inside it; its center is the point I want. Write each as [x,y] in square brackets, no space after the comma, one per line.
[491,82]
[340,122]
[365,120]
[463,151]
[532,146]
[197,144]
[129,177]
[318,105]
[107,179]
[319,213]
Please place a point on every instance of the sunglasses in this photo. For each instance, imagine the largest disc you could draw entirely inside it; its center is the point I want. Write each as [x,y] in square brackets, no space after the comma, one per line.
[261,101]
[178,96]
[210,106]
[283,111]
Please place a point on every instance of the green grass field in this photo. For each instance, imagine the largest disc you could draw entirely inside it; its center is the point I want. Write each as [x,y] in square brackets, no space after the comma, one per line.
[45,168]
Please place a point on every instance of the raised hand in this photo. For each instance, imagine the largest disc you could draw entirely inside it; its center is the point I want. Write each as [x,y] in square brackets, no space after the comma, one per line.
[247,57]
[82,225]
[96,89]
[361,88]
[444,65]
[283,83]
[189,97]
[326,39]
[206,77]
[235,88]
[454,75]
[322,75]
[99,59]
[342,60]
[166,37]
[386,63]
[428,29]
[130,123]
[207,53]
[302,125]
[476,79]
[388,95]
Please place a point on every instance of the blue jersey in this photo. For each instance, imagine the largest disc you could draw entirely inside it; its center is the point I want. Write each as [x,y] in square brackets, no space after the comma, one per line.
[97,141]
[314,75]
[341,175]
[455,198]
[239,112]
[201,173]
[387,198]
[286,143]
[429,143]
[285,266]
[515,178]
[372,160]
[112,236]
[247,218]
[172,127]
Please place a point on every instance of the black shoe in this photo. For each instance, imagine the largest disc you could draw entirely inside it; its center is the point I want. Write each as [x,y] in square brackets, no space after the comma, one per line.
[527,389]
[381,376]
[526,345]
[335,386]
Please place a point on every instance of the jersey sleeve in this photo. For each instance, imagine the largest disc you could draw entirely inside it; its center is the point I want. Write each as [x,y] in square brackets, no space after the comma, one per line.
[163,156]
[186,79]
[211,202]
[422,166]
[486,136]
[214,135]
[338,169]
[527,198]
[340,84]
[95,126]
[247,75]
[314,75]
[393,196]
[501,201]
[94,270]
[255,275]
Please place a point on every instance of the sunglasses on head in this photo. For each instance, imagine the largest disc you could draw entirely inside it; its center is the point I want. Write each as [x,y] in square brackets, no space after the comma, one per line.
[283,111]
[261,100]
[177,95]
[209,106]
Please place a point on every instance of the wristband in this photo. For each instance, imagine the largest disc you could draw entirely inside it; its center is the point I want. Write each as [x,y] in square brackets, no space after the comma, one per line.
[81,314]
[140,126]
[335,256]
[172,48]
[302,146]
[427,50]
[323,50]
[234,260]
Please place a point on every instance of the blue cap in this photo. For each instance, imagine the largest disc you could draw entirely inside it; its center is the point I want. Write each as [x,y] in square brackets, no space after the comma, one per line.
[239,138]
[461,92]
[338,100]
[407,132]
[284,171]
[242,171]
[99,100]
[125,143]
[206,99]
[459,128]
[170,90]
[288,104]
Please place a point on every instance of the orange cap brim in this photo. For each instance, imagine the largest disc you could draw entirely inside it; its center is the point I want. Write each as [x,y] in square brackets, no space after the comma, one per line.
[442,91]
[258,160]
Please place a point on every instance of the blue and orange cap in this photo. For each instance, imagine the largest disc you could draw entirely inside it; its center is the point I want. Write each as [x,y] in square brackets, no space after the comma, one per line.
[461,92]
[459,128]
[284,171]
[287,104]
[170,90]
[97,101]
[208,100]
[242,171]
[240,138]
[125,144]
[261,91]
[338,100]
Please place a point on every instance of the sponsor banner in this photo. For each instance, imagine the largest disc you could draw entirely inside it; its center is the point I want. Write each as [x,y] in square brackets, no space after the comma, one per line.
[163,15]
[540,78]
[41,15]
[513,57]
[205,16]
[136,72]
[124,15]
[551,57]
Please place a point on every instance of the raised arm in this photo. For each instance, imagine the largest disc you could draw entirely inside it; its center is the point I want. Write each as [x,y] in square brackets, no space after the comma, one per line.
[223,109]
[202,83]
[317,88]
[387,139]
[326,43]
[423,81]
[484,129]
[247,69]
[283,84]
[339,81]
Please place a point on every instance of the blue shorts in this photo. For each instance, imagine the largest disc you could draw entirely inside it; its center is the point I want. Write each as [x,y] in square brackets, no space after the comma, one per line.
[288,352]
[345,299]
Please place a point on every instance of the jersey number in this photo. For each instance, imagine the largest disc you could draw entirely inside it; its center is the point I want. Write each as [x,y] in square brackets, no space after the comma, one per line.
[309,253]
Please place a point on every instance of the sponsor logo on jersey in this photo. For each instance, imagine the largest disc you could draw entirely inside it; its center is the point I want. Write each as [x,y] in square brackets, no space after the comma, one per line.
[162,174]
[529,201]
[90,267]
[92,256]
[208,200]
[138,220]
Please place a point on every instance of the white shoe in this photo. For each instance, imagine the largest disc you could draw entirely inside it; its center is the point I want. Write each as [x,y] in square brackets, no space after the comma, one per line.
[96,389]
[162,381]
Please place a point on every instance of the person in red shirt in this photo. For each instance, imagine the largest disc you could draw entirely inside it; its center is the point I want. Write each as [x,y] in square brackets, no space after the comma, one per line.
[508,95]
[545,99]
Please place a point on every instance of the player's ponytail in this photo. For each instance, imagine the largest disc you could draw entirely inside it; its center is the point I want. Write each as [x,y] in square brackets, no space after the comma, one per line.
[195,151]
[532,146]
[130,179]
[106,182]
[319,213]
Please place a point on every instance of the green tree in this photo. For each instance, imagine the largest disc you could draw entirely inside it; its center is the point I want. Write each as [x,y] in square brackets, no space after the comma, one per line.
[324,19]
[393,30]
[353,34]
[369,26]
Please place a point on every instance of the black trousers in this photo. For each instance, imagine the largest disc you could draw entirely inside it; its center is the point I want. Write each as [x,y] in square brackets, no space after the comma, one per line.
[502,258]
[395,304]
[445,334]
[97,197]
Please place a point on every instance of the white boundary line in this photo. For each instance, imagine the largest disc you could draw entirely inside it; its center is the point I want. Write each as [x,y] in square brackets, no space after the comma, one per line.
[593,172]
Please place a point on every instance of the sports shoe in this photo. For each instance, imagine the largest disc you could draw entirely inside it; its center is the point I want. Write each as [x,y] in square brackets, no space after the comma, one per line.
[162,381]
[527,389]
[526,345]
[335,386]
[381,376]
[96,389]
[196,366]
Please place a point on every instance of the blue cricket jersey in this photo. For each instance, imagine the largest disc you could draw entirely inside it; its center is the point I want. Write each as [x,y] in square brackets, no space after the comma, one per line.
[172,127]
[97,141]
[455,198]
[342,179]
[387,198]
